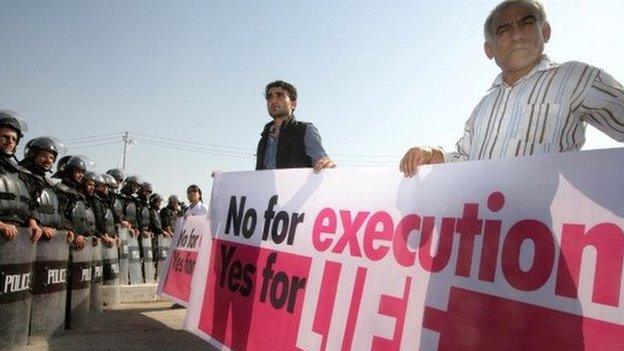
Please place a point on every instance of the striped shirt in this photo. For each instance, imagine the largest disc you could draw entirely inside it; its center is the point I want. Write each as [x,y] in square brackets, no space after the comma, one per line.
[545,111]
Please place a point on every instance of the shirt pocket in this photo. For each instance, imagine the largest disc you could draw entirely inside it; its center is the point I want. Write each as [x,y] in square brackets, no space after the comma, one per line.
[536,130]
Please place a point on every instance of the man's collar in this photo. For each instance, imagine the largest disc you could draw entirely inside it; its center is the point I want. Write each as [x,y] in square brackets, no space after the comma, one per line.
[543,65]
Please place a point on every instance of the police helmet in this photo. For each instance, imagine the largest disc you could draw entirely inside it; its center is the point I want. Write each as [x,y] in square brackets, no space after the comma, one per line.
[46,143]
[111,182]
[133,179]
[117,174]
[10,119]
[92,176]
[174,198]
[155,197]
[147,186]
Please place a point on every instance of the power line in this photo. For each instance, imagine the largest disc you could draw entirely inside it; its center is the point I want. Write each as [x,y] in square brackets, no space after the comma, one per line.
[97,136]
[186,142]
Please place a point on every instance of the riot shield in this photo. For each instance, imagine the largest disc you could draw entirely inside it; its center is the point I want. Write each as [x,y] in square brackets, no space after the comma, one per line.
[148,259]
[16,268]
[111,265]
[162,251]
[79,291]
[97,270]
[50,286]
[123,256]
[134,261]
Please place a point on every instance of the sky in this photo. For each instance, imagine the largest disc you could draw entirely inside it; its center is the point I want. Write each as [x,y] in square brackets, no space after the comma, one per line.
[186,79]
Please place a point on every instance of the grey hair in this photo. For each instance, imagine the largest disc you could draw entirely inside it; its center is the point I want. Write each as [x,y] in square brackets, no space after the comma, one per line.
[540,13]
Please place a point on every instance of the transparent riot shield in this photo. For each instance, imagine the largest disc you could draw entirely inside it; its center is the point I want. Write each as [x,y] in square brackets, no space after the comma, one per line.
[79,291]
[97,276]
[110,263]
[16,263]
[50,287]
[134,261]
[123,256]
[148,259]
[161,254]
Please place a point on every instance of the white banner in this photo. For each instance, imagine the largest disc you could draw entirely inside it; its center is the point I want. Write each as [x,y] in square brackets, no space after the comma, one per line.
[519,254]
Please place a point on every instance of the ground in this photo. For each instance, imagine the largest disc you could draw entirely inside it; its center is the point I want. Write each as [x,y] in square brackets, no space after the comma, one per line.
[136,327]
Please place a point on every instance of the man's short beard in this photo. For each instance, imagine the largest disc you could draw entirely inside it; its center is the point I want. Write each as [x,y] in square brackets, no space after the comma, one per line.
[281,115]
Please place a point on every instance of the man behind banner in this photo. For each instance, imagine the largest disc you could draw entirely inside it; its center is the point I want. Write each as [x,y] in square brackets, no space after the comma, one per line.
[534,106]
[286,142]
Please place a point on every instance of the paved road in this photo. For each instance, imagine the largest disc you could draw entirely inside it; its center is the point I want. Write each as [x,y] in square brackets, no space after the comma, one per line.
[132,327]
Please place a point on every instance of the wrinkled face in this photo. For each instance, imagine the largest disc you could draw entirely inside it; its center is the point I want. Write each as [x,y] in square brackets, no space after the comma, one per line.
[193,196]
[279,103]
[77,174]
[517,41]
[45,159]
[8,140]
[89,187]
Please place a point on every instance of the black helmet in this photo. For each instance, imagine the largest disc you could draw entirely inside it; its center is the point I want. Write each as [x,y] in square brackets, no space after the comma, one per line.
[46,143]
[133,179]
[111,182]
[90,176]
[10,119]
[147,186]
[117,174]
[60,165]
[155,197]
[81,162]
[174,198]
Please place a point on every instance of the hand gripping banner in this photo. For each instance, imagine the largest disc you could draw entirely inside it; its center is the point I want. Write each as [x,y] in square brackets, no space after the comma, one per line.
[518,254]
[16,270]
[50,286]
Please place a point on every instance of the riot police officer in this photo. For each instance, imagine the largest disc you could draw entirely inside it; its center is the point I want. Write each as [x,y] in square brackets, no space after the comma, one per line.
[145,190]
[104,221]
[113,203]
[169,215]
[39,157]
[155,201]
[16,204]
[129,202]
[72,202]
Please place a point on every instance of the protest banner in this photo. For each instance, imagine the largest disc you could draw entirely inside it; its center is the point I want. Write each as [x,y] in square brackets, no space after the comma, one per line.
[181,260]
[517,254]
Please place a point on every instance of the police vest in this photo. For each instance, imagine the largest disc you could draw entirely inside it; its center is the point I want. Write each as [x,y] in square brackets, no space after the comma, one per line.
[145,217]
[48,208]
[15,199]
[109,222]
[130,213]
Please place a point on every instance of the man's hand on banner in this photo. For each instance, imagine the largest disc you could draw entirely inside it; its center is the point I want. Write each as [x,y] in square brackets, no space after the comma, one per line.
[323,163]
[417,156]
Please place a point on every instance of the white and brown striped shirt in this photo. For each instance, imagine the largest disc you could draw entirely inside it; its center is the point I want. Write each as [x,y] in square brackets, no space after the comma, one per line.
[545,111]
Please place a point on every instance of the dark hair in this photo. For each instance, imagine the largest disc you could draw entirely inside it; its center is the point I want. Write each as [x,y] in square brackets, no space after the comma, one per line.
[194,187]
[292,91]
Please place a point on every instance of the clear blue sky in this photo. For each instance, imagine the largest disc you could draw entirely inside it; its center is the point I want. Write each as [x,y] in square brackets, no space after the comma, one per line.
[375,77]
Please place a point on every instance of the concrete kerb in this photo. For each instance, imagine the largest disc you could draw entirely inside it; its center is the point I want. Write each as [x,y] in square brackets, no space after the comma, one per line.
[114,295]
